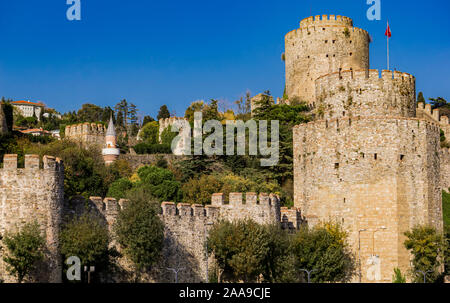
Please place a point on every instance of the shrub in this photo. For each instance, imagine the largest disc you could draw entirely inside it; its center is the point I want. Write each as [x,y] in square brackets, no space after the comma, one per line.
[24,250]
[140,231]
[428,248]
[119,188]
[87,238]
[144,148]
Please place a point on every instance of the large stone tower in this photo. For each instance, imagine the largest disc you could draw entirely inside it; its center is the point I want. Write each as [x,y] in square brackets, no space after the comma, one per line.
[367,161]
[322,45]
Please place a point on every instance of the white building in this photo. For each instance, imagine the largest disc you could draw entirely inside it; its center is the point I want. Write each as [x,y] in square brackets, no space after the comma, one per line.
[29,109]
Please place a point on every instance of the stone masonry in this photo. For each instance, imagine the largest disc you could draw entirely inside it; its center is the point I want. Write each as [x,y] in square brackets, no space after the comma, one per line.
[322,45]
[186,228]
[86,133]
[33,194]
[371,160]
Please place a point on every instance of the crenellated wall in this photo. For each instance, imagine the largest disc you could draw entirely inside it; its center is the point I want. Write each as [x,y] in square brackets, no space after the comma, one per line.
[366,173]
[322,45]
[86,133]
[365,93]
[186,228]
[424,111]
[33,194]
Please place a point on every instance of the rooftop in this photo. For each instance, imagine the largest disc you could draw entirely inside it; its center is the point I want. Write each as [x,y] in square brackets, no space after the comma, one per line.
[22,102]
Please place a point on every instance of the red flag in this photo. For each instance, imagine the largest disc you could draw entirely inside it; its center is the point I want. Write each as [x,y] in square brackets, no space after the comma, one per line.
[388,31]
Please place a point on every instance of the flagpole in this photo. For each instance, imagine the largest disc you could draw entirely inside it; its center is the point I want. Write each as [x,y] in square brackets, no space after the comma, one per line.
[387,52]
[387,37]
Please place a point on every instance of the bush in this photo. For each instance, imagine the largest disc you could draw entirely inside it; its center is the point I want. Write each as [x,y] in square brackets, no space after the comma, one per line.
[140,231]
[144,148]
[428,249]
[87,238]
[119,188]
[200,190]
[324,250]
[24,250]
[150,133]
[245,250]
[160,183]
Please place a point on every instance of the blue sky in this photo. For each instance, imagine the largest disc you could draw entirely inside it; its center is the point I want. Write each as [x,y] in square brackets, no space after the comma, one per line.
[175,52]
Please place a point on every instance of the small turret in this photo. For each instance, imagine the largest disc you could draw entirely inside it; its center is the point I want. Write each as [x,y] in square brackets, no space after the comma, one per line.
[110,152]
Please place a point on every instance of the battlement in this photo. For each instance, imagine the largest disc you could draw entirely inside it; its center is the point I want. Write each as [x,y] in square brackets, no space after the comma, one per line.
[32,162]
[326,20]
[339,124]
[374,74]
[84,128]
[236,199]
[185,210]
[365,93]
[306,32]
[434,114]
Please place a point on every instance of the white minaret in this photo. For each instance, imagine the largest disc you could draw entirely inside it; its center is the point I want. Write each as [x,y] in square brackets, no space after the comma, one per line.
[110,152]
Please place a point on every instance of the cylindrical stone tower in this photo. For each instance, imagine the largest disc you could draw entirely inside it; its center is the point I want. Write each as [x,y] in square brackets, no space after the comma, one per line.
[322,45]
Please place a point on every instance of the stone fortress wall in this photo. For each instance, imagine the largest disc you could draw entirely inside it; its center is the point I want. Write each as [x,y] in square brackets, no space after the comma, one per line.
[33,194]
[365,93]
[86,133]
[424,111]
[186,228]
[322,45]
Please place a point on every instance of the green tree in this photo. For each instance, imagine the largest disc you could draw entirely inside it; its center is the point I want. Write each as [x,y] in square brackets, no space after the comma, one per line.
[420,98]
[428,249]
[163,113]
[150,133]
[87,237]
[437,102]
[323,249]
[24,249]
[168,135]
[247,251]
[119,188]
[200,190]
[147,119]
[140,231]
[160,183]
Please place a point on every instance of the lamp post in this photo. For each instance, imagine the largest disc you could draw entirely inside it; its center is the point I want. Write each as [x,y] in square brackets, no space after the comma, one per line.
[206,249]
[359,252]
[308,272]
[424,273]
[175,271]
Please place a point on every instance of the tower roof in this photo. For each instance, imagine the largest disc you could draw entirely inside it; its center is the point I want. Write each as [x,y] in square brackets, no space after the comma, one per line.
[111,131]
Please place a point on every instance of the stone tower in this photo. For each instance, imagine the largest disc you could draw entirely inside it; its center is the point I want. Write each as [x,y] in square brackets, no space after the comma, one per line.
[322,45]
[110,152]
[367,161]
[33,194]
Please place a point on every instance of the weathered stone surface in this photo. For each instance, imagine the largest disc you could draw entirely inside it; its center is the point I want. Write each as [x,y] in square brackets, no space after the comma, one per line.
[187,226]
[366,173]
[319,47]
[86,133]
[33,194]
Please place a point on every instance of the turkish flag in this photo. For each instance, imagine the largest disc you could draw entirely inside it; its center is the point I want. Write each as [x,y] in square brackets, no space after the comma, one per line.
[388,31]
